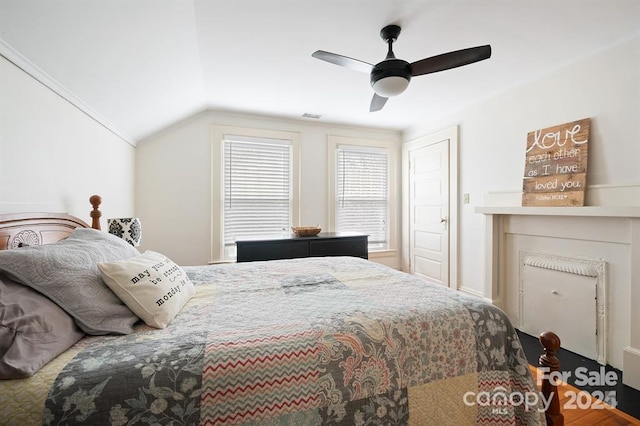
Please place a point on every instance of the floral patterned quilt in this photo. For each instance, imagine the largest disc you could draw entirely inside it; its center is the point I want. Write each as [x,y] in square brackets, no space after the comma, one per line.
[317,341]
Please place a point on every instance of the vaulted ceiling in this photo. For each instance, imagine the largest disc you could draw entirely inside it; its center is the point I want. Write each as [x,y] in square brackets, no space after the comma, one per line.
[142,65]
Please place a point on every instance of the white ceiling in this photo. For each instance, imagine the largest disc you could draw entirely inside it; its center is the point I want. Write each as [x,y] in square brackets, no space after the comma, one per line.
[143,65]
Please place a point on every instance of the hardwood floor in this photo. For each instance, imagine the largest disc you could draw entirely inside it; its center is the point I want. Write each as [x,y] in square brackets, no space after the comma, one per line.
[594,413]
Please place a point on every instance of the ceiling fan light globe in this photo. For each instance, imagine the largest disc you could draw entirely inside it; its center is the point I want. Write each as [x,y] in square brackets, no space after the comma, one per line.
[390,86]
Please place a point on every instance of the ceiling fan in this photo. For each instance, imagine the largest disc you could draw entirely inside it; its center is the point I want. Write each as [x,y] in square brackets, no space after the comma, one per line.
[391,76]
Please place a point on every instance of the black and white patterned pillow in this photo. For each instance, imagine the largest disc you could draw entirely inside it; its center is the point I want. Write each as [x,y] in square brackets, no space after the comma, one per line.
[127,228]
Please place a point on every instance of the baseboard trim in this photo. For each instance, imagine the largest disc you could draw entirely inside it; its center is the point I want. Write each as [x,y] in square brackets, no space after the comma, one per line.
[475,293]
[631,367]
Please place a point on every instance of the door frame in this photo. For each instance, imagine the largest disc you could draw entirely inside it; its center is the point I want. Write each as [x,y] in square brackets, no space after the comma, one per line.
[451,134]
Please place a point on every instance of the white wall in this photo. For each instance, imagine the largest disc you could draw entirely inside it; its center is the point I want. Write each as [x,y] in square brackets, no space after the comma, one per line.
[53,157]
[173,181]
[492,136]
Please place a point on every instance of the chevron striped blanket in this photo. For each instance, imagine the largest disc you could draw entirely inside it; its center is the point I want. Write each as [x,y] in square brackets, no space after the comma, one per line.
[299,342]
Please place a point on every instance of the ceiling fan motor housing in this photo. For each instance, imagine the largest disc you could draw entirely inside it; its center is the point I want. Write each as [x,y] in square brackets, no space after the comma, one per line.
[386,77]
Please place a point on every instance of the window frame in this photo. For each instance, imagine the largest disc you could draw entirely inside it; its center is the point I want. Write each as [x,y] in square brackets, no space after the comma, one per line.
[218,134]
[336,141]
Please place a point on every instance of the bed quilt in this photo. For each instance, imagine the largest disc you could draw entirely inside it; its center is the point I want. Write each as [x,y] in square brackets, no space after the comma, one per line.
[317,341]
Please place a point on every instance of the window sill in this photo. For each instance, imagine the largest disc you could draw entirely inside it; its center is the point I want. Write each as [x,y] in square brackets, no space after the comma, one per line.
[382,253]
[220,262]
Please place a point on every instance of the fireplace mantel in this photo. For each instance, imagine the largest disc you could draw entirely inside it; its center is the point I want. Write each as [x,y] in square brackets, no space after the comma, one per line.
[610,232]
[587,211]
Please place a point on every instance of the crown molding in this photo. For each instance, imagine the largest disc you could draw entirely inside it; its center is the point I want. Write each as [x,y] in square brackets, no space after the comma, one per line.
[16,58]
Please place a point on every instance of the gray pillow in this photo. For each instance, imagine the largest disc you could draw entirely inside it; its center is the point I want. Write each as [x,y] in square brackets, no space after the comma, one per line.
[67,273]
[33,330]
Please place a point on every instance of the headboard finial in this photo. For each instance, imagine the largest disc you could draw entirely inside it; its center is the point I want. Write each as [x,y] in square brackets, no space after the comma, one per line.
[95,214]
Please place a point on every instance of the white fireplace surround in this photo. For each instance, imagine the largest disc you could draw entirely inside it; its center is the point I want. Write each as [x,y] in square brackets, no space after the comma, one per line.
[607,230]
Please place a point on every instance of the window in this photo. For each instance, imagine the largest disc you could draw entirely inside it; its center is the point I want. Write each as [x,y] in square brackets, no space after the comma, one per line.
[361,204]
[361,199]
[257,186]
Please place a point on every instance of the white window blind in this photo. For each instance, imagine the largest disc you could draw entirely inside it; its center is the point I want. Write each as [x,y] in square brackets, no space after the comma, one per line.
[257,188]
[362,193]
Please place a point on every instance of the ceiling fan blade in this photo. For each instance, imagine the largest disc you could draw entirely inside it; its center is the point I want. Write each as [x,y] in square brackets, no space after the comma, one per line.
[450,60]
[377,102]
[343,61]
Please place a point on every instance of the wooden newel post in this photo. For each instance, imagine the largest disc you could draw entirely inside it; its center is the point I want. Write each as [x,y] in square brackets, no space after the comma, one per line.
[549,361]
[96,214]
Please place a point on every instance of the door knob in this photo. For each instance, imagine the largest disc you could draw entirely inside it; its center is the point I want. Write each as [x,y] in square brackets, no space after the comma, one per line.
[443,222]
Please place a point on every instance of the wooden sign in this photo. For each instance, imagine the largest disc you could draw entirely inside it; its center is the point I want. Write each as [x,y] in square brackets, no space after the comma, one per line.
[555,170]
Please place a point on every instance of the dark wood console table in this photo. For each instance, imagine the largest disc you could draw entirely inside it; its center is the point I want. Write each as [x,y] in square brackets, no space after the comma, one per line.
[289,246]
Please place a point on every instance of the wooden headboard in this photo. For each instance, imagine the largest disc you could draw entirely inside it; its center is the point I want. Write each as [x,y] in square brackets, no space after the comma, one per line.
[17,229]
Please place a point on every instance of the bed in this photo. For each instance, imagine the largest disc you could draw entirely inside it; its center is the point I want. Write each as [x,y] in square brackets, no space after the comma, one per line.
[315,341]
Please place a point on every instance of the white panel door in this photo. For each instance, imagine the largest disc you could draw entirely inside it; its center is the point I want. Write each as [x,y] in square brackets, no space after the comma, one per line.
[429,211]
